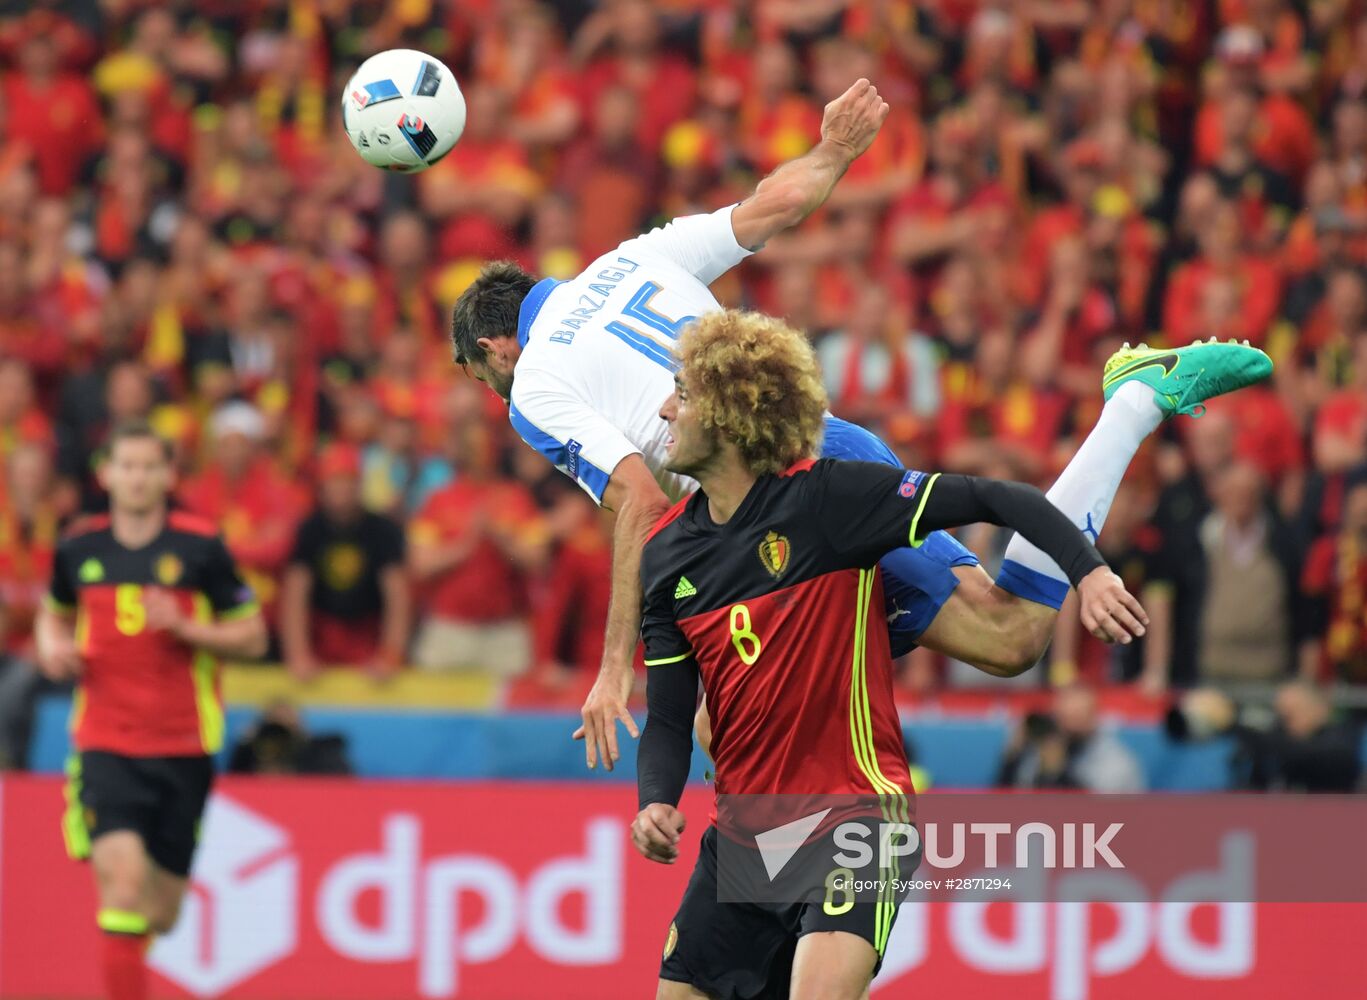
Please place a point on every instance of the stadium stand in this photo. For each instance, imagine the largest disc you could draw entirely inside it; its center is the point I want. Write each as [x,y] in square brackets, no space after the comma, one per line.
[186,235]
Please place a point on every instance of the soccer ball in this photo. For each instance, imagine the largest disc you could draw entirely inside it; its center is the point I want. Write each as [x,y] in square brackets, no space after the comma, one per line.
[403,110]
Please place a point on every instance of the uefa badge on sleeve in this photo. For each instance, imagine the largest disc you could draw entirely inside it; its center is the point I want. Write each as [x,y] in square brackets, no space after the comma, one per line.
[911,482]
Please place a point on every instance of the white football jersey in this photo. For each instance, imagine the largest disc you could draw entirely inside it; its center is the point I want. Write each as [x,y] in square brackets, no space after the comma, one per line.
[596,362]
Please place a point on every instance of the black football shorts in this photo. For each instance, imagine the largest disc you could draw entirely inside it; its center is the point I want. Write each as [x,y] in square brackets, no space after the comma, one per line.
[159,798]
[744,951]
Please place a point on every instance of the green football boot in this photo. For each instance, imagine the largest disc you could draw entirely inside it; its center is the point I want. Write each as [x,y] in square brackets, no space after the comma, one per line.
[1183,378]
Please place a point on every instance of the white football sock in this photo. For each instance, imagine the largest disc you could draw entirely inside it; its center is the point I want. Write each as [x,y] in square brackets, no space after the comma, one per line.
[1085,489]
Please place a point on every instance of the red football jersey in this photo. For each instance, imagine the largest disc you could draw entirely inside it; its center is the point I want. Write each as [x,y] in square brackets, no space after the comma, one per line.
[144,693]
[782,607]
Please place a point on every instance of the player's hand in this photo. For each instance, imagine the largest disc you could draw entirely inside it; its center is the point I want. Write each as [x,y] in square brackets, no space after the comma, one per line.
[1109,611]
[605,706]
[853,119]
[59,659]
[655,832]
[164,613]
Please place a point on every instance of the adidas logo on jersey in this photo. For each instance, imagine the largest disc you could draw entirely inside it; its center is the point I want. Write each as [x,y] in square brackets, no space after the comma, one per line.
[684,589]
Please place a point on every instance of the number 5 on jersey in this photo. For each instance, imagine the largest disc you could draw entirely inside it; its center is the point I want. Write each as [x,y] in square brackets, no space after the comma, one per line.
[130,614]
[748,645]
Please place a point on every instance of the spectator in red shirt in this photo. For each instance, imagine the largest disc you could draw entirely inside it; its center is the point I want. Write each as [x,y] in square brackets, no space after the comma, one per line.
[1325,231]
[573,607]
[1077,314]
[1001,410]
[29,520]
[1348,150]
[1285,137]
[1254,280]
[54,113]
[664,83]
[403,280]
[29,329]
[1339,447]
[532,64]
[1263,194]
[1335,579]
[951,210]
[240,490]
[777,121]
[875,367]
[611,170]
[470,547]
[21,420]
[1324,350]
[412,381]
[484,187]
[1079,177]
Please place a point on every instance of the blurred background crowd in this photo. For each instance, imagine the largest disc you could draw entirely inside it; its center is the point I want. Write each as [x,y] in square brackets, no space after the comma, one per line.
[186,235]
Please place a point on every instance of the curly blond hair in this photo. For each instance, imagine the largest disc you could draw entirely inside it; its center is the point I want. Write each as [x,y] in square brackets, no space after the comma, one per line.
[755,381]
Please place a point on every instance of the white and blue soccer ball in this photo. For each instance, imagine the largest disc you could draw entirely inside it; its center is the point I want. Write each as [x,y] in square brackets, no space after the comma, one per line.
[403,110]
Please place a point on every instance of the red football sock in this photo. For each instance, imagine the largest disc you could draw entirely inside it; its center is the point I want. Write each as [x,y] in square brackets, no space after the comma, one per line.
[125,973]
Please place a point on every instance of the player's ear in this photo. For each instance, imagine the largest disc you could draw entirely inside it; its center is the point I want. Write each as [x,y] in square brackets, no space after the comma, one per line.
[499,353]
[488,348]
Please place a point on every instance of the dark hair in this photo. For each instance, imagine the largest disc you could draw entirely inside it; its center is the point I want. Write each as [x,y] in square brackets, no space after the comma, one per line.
[488,308]
[135,430]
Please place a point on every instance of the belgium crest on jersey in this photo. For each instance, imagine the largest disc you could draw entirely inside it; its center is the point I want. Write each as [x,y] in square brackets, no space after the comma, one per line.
[169,569]
[774,552]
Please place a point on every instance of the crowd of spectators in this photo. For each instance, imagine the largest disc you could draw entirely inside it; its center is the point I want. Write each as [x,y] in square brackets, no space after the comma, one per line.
[186,235]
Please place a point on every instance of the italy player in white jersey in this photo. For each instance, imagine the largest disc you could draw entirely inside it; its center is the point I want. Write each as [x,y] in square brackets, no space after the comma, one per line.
[586,363]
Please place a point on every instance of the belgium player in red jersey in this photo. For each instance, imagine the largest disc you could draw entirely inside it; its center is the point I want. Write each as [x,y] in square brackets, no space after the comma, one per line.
[142,603]
[765,585]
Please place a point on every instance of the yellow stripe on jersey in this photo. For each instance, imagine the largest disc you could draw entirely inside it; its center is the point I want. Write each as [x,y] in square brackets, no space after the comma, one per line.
[204,672]
[211,724]
[861,718]
[665,660]
[920,509]
[73,722]
[892,801]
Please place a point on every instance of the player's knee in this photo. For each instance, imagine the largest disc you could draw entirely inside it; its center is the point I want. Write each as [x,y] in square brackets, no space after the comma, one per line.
[121,883]
[120,890]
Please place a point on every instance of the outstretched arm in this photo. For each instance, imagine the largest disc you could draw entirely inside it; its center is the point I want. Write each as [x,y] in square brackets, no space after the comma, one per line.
[951,500]
[1108,610]
[664,757]
[638,502]
[799,187]
[870,509]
